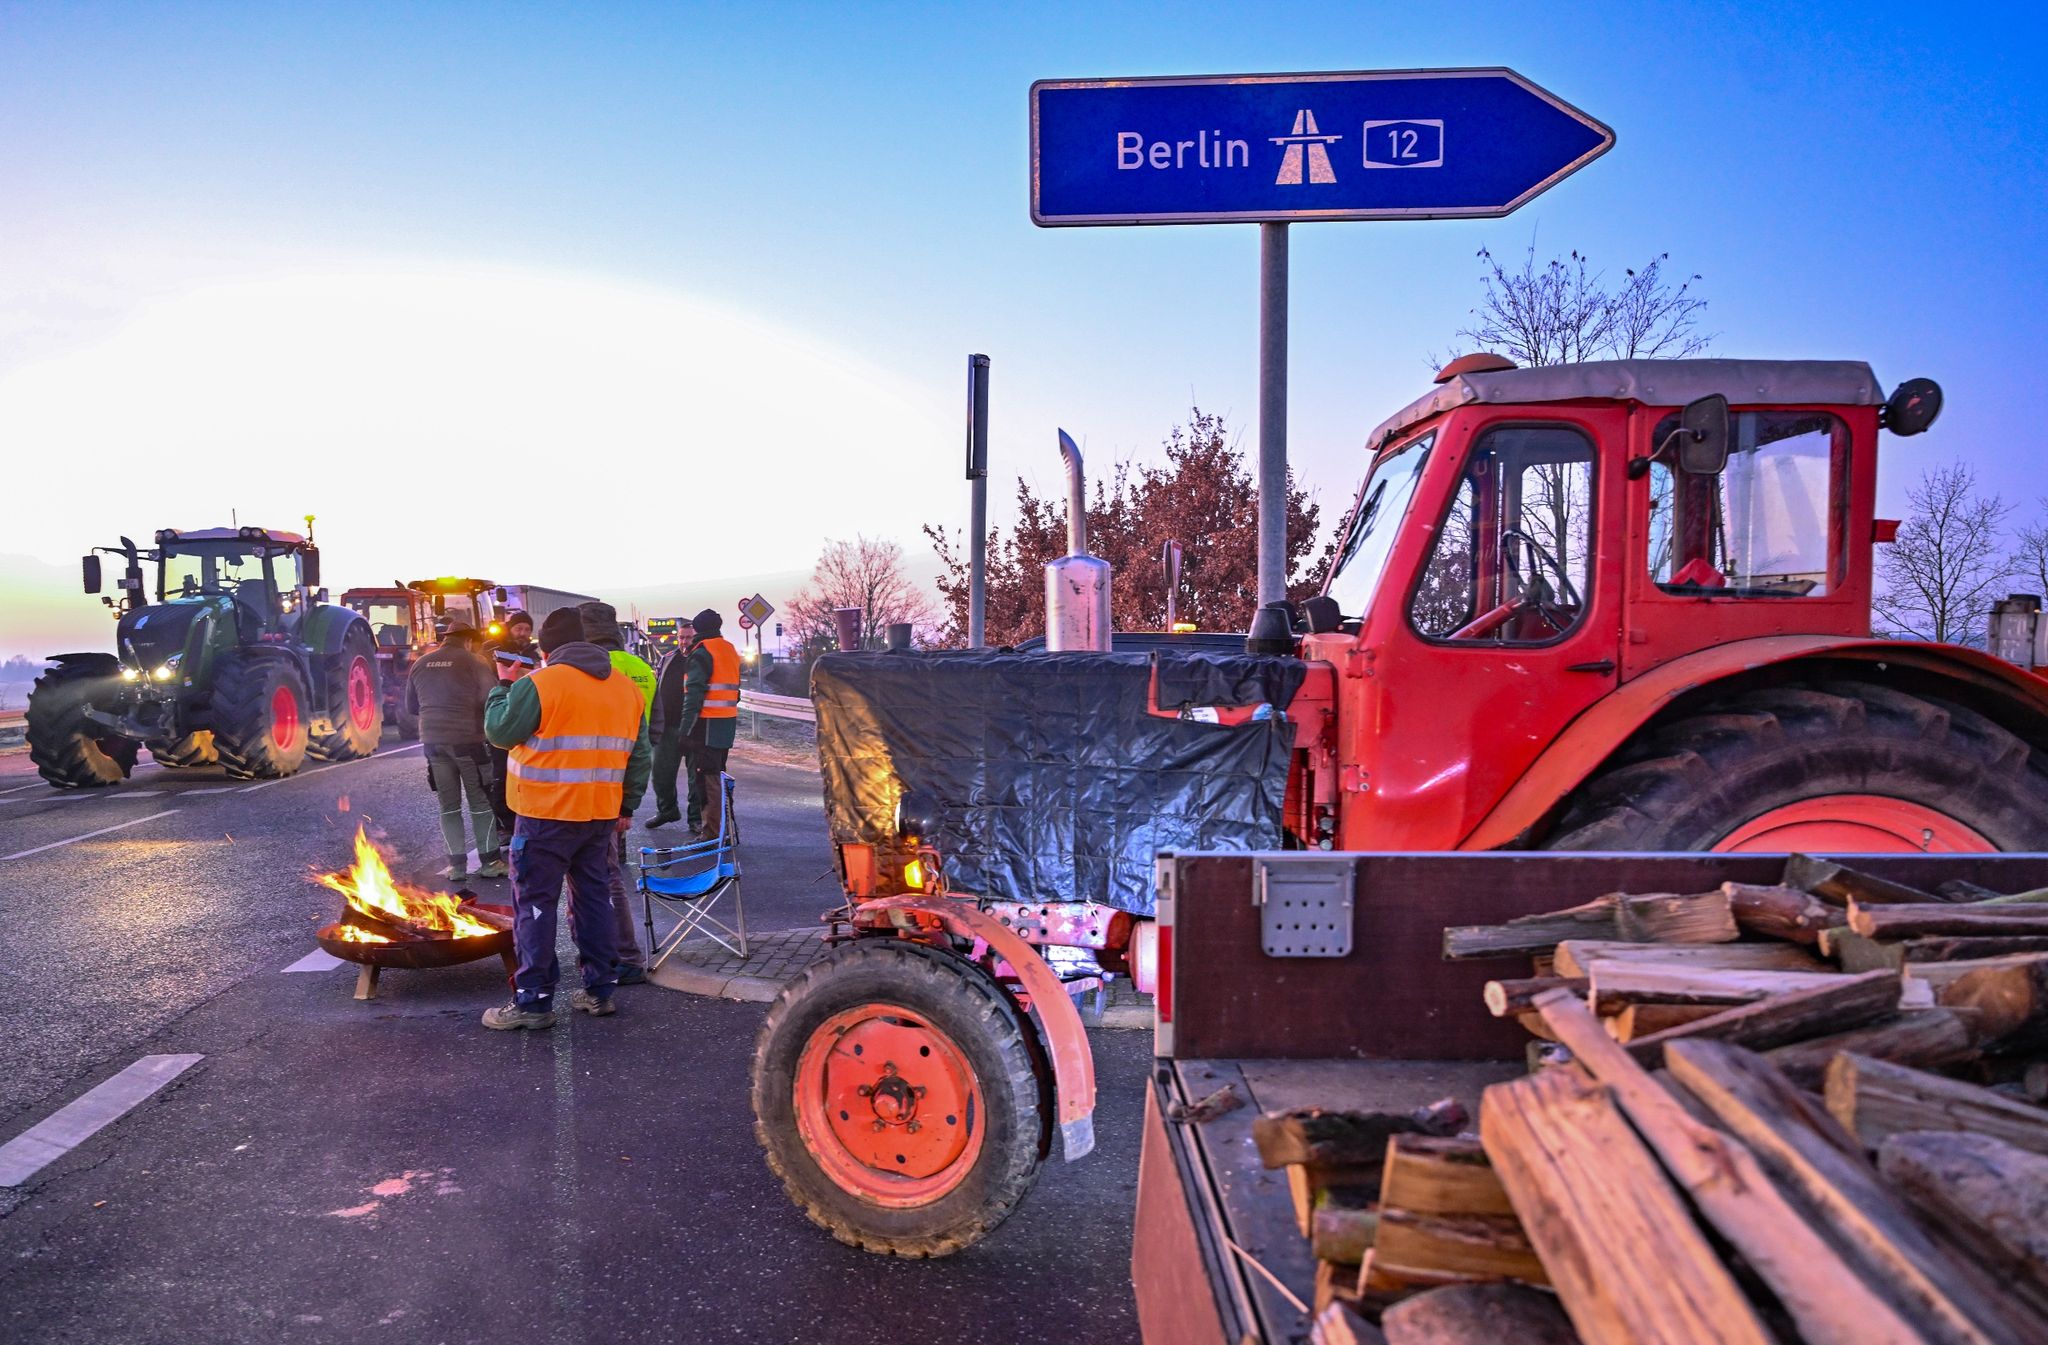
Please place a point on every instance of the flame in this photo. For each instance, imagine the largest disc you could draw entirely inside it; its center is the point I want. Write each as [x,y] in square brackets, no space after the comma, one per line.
[357,934]
[369,887]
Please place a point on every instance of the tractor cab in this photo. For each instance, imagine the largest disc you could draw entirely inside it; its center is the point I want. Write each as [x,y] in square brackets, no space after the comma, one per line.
[472,601]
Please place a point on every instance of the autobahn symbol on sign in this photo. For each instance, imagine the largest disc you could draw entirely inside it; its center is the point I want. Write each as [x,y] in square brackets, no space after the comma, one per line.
[1211,149]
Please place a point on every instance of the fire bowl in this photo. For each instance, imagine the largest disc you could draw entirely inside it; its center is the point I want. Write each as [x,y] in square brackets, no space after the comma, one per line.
[409,952]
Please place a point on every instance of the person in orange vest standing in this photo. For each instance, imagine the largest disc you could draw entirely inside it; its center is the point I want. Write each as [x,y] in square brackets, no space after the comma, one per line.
[710,718]
[577,764]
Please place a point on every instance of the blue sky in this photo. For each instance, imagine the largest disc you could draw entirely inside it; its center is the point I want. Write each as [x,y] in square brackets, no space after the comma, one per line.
[1852,181]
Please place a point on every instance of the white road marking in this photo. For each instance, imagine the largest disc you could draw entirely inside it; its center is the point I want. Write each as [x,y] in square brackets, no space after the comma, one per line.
[332,765]
[18,788]
[73,840]
[210,789]
[83,1117]
[138,794]
[317,960]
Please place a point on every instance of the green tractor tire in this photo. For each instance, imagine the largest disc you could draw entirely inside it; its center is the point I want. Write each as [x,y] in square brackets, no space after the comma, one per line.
[260,718]
[194,749]
[354,710]
[65,747]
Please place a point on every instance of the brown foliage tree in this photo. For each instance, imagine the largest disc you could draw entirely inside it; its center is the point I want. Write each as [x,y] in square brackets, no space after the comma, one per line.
[866,573]
[1203,497]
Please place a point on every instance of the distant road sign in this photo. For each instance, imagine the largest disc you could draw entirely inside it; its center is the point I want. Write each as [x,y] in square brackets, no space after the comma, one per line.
[756,610]
[1392,144]
[746,622]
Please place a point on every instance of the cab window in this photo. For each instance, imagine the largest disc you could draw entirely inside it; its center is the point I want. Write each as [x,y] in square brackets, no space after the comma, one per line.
[1760,528]
[1512,562]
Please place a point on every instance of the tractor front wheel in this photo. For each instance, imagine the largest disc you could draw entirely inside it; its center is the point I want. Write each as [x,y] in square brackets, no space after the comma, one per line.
[355,711]
[895,1096]
[1837,767]
[68,750]
[194,749]
[259,717]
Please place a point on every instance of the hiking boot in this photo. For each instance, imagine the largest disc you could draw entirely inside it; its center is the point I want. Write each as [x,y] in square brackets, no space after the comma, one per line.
[513,1016]
[494,867]
[663,819]
[631,975]
[457,870]
[588,1003]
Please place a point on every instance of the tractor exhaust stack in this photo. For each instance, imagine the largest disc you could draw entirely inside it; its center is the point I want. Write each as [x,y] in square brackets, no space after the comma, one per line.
[1077,584]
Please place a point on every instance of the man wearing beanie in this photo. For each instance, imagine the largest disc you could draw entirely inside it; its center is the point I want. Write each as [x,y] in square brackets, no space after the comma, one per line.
[578,760]
[601,628]
[702,720]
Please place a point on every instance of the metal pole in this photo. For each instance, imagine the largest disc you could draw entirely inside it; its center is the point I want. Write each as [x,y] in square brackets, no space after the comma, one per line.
[1272,413]
[977,490]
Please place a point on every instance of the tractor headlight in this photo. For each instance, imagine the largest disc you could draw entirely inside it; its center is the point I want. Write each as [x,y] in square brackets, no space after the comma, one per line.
[168,669]
[130,675]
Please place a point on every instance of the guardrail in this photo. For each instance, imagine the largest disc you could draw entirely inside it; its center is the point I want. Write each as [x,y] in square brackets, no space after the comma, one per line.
[779,707]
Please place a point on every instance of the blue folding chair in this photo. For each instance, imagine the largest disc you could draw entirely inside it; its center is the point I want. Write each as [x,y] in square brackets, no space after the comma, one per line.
[690,881]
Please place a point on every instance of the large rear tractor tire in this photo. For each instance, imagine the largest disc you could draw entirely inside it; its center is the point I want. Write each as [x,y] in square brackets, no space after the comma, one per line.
[895,1096]
[259,717]
[67,749]
[1835,766]
[194,749]
[355,710]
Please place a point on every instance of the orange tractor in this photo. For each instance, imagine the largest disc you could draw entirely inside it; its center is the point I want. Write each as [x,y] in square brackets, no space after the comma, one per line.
[1616,606]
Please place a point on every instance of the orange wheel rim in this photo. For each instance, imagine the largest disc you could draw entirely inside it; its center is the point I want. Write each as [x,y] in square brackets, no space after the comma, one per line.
[1855,824]
[284,718]
[362,693]
[888,1105]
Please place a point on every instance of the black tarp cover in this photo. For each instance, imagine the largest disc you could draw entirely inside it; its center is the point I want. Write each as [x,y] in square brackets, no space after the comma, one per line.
[1053,781]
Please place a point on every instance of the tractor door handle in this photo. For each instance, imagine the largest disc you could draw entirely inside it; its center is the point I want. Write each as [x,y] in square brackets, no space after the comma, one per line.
[1605,665]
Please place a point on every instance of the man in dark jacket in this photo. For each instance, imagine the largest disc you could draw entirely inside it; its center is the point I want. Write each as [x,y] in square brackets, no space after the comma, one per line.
[699,702]
[512,657]
[446,689]
[601,628]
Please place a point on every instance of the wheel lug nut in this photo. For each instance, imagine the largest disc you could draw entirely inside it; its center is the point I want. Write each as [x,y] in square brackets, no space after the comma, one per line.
[913,1127]
[878,1127]
[865,1090]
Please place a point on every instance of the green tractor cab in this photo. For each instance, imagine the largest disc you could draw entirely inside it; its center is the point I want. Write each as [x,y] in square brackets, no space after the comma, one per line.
[228,655]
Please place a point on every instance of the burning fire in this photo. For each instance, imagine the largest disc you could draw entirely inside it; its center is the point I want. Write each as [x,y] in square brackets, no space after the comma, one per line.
[357,934]
[370,889]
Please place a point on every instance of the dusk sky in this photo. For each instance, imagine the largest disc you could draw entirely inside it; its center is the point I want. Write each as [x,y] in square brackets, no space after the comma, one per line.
[611,295]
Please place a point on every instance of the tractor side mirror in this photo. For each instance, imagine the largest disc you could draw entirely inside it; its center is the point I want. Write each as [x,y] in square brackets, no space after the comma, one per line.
[309,567]
[1703,436]
[499,593]
[92,574]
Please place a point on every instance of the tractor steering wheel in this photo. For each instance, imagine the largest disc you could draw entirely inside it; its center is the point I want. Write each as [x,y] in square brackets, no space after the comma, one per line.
[1536,590]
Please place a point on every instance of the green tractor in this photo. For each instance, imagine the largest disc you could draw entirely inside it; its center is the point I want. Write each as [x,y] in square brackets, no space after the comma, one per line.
[235,659]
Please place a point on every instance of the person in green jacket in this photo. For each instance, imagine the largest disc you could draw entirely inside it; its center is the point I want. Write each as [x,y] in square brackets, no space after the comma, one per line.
[601,628]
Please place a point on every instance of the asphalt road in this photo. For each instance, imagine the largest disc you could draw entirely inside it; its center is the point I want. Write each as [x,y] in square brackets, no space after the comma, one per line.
[332,1166]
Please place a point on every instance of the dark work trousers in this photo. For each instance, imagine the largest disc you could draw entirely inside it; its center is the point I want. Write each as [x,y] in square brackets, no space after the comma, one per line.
[622,908]
[498,805]
[544,852]
[668,759]
[707,802]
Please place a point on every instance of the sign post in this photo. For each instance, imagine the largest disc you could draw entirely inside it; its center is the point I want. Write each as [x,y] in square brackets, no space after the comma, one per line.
[1272,149]
[977,512]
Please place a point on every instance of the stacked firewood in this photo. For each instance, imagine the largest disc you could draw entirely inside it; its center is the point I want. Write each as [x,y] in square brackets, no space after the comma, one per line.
[1802,1112]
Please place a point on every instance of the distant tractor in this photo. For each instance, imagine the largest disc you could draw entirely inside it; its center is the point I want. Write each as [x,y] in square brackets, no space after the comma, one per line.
[228,657]
[402,620]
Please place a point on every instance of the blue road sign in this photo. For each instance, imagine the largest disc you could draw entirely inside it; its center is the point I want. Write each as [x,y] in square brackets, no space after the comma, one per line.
[1419,144]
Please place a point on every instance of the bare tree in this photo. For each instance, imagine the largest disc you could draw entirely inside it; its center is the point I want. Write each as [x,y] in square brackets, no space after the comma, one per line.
[2030,557]
[1563,312]
[1938,580]
[866,573]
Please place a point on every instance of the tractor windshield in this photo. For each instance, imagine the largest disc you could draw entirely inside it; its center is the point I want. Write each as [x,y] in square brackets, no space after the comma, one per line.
[390,619]
[221,568]
[1759,529]
[1375,522]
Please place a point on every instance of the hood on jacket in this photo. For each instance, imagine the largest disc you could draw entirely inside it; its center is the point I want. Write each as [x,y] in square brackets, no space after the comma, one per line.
[584,657]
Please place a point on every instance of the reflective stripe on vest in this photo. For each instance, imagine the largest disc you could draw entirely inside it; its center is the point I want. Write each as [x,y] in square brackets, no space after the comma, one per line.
[722,692]
[573,767]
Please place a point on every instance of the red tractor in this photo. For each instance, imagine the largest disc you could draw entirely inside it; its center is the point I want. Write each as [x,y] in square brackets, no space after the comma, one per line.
[402,620]
[1608,606]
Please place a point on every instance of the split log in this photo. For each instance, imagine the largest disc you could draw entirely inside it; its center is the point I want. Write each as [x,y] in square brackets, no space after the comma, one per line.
[1335,1284]
[2010,1000]
[1641,1020]
[1508,999]
[1576,957]
[1875,1099]
[1478,1314]
[1340,1324]
[1941,975]
[1943,1298]
[1348,1138]
[1669,917]
[1779,912]
[1429,1175]
[1619,1242]
[1313,1187]
[1616,984]
[1915,919]
[1469,1247]
[1533,935]
[1829,1303]
[1342,1232]
[1839,884]
[1838,1005]
[1963,949]
[1853,952]
[1922,1039]
[1988,1198]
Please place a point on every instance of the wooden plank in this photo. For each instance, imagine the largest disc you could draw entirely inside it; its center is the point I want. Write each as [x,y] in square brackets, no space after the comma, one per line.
[1429,1175]
[1840,884]
[1828,1302]
[1988,1198]
[1779,912]
[1919,919]
[1575,957]
[1478,1314]
[1340,1138]
[1480,1247]
[1960,948]
[1879,1239]
[1616,984]
[1940,975]
[1340,1324]
[1875,1099]
[1641,1020]
[1335,1284]
[1672,917]
[1311,1187]
[1839,1004]
[1619,1243]
[1923,1039]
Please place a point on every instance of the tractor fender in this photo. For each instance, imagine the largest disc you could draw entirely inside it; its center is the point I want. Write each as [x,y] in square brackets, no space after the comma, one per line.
[89,664]
[324,631]
[1059,1022]
[1600,731]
